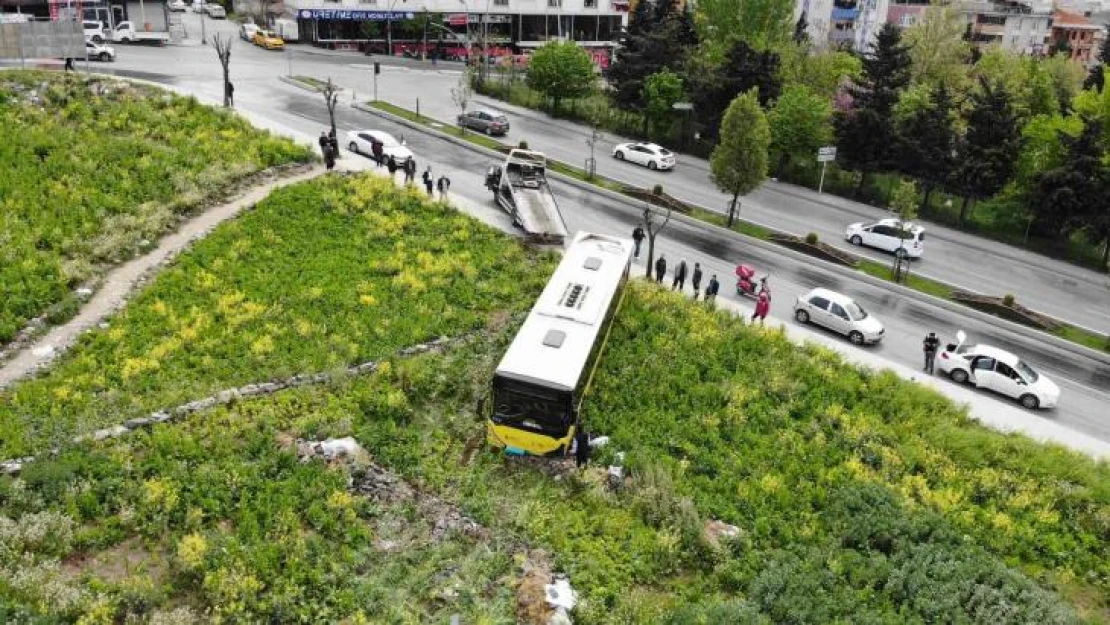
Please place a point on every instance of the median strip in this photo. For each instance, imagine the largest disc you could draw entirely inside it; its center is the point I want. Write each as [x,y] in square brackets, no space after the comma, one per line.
[1076,335]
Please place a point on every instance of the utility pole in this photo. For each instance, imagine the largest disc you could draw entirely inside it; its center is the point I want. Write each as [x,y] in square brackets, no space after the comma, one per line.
[203,35]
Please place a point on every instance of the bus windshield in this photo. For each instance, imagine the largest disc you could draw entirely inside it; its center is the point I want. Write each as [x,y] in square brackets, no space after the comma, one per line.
[520,405]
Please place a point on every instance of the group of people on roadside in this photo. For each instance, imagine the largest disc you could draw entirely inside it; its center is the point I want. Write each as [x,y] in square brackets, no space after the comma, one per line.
[330,147]
[678,282]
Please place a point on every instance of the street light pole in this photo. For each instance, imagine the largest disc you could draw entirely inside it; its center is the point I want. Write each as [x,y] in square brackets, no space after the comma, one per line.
[203,35]
[389,26]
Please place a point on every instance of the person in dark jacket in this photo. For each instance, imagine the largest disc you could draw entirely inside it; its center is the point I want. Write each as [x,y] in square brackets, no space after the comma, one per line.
[712,288]
[428,179]
[376,151]
[581,448]
[695,280]
[660,268]
[410,171]
[930,345]
[443,185]
[392,165]
[230,94]
[679,276]
[329,157]
[324,143]
[638,237]
[69,64]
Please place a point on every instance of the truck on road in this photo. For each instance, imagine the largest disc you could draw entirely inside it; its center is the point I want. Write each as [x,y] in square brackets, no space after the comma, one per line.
[127,33]
[520,188]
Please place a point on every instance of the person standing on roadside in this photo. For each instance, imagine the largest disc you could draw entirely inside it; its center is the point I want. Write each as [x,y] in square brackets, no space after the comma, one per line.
[695,280]
[712,288]
[762,306]
[443,185]
[376,151]
[679,276]
[392,166]
[410,171]
[638,237]
[929,346]
[660,268]
[428,180]
[69,64]
[329,158]
[581,448]
[231,94]
[324,143]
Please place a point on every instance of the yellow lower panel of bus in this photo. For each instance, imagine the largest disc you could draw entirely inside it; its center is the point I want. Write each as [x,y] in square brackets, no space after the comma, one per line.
[529,442]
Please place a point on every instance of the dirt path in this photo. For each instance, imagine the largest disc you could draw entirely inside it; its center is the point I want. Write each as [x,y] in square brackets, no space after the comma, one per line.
[121,281]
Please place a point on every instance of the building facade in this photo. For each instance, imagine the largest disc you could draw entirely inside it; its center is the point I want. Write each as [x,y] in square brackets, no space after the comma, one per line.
[844,24]
[1021,27]
[1077,34]
[459,27]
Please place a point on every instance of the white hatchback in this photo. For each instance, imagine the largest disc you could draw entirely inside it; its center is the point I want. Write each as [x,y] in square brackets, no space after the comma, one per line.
[891,235]
[838,313]
[647,154]
[998,370]
[362,142]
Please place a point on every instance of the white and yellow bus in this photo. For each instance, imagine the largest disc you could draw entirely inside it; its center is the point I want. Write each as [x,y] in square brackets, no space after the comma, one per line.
[539,386]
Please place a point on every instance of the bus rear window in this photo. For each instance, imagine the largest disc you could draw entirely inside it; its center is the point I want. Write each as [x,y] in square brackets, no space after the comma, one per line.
[516,404]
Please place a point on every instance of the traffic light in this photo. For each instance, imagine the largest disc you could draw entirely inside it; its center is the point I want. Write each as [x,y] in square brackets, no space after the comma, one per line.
[377,67]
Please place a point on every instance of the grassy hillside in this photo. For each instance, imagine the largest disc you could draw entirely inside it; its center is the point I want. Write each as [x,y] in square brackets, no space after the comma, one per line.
[92,167]
[858,497]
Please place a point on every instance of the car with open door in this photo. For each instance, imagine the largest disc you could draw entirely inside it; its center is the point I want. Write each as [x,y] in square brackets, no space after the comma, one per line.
[997,370]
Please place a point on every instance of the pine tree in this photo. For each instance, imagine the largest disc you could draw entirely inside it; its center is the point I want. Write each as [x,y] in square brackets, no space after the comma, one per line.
[648,47]
[1096,79]
[866,136]
[927,140]
[988,151]
[1061,198]
[744,68]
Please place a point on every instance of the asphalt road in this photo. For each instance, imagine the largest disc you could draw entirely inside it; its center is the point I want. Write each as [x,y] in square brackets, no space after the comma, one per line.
[1085,402]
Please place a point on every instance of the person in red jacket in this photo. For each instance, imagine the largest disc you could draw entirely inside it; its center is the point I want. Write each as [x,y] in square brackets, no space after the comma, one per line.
[762,306]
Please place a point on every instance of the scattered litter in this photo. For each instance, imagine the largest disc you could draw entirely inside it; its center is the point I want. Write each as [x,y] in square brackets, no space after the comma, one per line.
[600,441]
[716,530]
[560,594]
[616,477]
[84,292]
[332,448]
[46,351]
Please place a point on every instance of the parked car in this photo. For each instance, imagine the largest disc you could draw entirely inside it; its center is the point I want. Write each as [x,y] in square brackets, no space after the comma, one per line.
[268,40]
[94,30]
[99,52]
[891,235]
[247,32]
[840,314]
[361,142]
[647,154]
[216,11]
[485,120]
[199,6]
[176,6]
[1000,371]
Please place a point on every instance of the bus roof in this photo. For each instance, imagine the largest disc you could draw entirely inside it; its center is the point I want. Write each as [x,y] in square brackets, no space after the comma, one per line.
[554,343]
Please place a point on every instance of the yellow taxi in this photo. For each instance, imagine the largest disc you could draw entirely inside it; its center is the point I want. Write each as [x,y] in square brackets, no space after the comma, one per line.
[267,39]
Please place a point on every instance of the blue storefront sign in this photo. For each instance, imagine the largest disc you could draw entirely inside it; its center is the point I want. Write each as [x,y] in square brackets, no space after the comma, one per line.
[339,14]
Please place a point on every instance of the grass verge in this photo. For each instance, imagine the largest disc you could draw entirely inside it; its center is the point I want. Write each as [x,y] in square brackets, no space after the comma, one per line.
[147,159]
[319,275]
[857,496]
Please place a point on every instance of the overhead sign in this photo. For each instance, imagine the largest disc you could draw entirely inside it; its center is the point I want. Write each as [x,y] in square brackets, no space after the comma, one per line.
[339,14]
[826,154]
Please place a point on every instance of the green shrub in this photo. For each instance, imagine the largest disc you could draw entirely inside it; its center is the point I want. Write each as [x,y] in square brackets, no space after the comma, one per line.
[1008,300]
[811,238]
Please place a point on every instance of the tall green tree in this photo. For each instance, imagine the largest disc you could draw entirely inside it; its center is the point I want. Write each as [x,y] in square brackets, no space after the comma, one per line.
[661,91]
[738,165]
[762,24]
[561,70]
[927,142]
[865,135]
[937,48]
[986,154]
[1061,197]
[800,123]
[713,89]
[823,72]
[647,47]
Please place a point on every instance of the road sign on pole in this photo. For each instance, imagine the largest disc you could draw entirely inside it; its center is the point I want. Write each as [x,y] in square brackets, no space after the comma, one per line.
[824,155]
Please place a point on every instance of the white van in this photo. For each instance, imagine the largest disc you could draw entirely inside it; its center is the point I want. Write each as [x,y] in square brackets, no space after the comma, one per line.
[94,30]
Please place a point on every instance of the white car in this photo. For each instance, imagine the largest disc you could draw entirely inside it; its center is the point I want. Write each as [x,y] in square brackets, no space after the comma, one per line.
[94,30]
[840,314]
[907,241]
[99,52]
[215,11]
[362,142]
[647,154]
[247,31]
[998,370]
[176,6]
